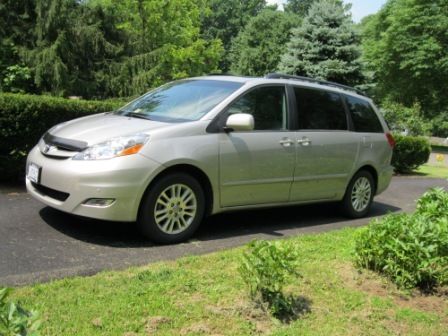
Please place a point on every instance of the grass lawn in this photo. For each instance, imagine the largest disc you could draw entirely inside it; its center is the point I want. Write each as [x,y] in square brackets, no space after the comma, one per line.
[433,171]
[205,296]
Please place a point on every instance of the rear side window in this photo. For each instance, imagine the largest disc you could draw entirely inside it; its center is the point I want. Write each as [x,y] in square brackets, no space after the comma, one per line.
[320,110]
[363,116]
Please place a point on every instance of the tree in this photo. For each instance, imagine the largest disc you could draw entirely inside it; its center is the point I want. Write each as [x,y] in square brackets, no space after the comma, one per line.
[299,7]
[325,46]
[258,47]
[225,19]
[405,46]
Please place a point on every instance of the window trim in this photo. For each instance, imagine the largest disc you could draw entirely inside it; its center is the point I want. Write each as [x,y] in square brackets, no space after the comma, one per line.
[218,122]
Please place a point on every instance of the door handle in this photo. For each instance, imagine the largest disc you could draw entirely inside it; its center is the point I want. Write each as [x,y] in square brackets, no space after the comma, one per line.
[286,142]
[304,141]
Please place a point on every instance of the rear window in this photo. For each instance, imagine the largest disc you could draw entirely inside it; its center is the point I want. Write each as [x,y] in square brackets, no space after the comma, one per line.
[363,116]
[320,110]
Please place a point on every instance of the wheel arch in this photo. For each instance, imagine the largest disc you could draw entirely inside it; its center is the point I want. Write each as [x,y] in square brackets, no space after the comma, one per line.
[372,171]
[193,171]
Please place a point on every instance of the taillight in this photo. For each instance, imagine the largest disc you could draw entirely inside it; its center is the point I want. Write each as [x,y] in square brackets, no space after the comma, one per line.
[390,140]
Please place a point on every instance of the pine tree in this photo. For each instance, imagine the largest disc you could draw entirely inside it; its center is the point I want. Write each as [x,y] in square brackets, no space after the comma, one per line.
[326,46]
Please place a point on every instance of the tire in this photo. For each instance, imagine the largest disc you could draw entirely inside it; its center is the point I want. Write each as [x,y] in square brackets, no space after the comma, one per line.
[359,195]
[172,209]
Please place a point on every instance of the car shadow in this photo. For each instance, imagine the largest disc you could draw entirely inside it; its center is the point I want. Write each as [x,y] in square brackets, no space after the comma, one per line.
[273,222]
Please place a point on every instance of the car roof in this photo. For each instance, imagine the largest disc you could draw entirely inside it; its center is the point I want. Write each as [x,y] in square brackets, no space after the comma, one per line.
[291,80]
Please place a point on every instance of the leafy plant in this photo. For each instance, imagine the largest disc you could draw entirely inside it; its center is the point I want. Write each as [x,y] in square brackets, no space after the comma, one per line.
[410,153]
[265,268]
[410,249]
[408,119]
[15,320]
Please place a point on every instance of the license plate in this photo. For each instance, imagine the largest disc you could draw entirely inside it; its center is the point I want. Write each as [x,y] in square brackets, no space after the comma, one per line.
[33,173]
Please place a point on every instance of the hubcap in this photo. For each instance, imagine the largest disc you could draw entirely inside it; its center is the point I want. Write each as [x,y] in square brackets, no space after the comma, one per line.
[361,193]
[175,209]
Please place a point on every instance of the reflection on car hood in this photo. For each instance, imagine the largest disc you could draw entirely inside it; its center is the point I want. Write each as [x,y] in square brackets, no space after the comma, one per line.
[101,127]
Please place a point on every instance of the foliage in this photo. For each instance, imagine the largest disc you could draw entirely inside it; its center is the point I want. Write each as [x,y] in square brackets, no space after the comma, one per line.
[15,320]
[257,49]
[440,125]
[405,46]
[225,19]
[402,118]
[25,118]
[299,7]
[410,153]
[16,78]
[411,250]
[433,204]
[325,46]
[265,269]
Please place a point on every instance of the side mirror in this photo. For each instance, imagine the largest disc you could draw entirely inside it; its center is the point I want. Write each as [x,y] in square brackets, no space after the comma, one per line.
[240,122]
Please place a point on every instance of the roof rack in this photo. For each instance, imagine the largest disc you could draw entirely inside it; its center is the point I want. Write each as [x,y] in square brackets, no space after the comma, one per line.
[315,81]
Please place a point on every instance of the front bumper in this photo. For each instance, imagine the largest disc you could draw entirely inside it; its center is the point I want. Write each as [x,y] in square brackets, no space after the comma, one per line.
[123,179]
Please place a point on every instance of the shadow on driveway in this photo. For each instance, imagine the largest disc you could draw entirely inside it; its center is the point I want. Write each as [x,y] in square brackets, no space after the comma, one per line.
[269,222]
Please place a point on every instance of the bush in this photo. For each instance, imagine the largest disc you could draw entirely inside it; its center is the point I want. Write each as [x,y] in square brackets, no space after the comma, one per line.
[440,125]
[14,320]
[410,153]
[411,250]
[25,118]
[401,118]
[265,268]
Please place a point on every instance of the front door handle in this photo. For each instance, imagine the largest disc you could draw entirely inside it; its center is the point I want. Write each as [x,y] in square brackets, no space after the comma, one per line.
[304,141]
[286,142]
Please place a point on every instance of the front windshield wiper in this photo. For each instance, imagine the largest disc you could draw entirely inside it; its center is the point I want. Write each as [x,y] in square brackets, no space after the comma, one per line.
[136,115]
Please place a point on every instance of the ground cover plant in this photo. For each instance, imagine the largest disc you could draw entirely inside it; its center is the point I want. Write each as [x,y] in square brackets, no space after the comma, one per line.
[265,268]
[205,295]
[15,320]
[410,249]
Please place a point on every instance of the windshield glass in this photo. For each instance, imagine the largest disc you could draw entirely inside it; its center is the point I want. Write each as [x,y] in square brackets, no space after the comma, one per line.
[185,100]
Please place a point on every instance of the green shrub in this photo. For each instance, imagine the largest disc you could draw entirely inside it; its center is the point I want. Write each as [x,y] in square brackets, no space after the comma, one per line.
[410,153]
[411,250]
[16,321]
[401,118]
[265,268]
[25,118]
[440,125]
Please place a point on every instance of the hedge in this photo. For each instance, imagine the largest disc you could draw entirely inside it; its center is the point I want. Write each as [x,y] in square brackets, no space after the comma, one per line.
[25,118]
[410,153]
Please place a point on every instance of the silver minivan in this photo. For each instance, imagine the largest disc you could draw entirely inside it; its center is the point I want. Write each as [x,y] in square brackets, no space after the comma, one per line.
[205,145]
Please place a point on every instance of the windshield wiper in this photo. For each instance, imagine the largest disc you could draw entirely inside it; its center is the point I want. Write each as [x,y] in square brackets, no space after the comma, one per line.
[136,115]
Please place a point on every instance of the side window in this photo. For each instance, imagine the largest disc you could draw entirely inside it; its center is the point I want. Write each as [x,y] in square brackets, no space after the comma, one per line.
[363,116]
[267,104]
[320,110]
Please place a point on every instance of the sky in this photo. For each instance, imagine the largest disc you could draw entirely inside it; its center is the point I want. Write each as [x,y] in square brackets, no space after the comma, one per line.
[360,8]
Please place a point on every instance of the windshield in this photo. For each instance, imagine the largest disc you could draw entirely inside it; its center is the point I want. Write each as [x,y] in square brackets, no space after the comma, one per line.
[180,101]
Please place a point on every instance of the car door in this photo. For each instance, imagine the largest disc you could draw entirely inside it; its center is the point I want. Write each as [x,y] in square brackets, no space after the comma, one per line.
[256,167]
[327,150]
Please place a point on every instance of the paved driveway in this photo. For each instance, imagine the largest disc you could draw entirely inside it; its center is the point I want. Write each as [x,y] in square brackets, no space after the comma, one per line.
[38,243]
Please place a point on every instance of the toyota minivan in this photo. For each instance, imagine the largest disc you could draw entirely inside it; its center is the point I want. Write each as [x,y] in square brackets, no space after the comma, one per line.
[205,145]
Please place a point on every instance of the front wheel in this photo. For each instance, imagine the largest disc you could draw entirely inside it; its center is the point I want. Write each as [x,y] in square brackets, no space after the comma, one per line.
[359,195]
[172,209]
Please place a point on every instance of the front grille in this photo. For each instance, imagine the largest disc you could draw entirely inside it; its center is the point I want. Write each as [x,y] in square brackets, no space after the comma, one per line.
[56,194]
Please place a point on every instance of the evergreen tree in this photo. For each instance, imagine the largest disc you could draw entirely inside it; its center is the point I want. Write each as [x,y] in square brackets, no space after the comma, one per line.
[257,49]
[325,46]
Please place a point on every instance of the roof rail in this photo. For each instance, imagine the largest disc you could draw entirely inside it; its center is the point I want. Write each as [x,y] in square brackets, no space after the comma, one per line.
[315,81]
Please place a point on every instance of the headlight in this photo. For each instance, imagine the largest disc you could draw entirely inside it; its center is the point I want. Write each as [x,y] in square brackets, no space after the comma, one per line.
[120,146]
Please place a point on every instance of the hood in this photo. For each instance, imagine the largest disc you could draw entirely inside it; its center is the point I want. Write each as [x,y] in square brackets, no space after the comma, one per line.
[101,127]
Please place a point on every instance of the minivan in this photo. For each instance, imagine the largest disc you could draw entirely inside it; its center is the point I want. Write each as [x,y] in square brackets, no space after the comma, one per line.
[205,145]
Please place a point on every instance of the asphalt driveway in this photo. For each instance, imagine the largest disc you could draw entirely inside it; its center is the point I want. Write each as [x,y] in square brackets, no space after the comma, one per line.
[38,243]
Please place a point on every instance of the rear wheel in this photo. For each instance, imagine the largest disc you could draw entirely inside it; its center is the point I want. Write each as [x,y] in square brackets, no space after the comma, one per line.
[359,195]
[172,209]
